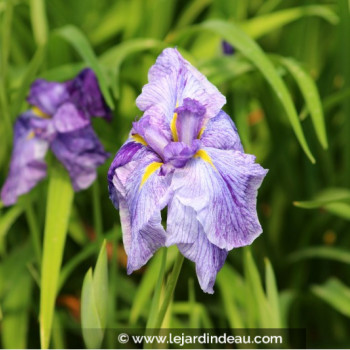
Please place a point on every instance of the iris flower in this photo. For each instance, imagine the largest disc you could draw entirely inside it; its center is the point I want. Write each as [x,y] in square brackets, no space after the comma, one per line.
[184,154]
[60,119]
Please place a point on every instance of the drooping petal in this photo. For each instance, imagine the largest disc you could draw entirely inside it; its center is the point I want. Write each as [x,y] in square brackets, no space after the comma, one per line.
[171,80]
[145,194]
[184,229]
[221,186]
[27,166]
[221,132]
[47,95]
[84,92]
[81,152]
[130,151]
[68,118]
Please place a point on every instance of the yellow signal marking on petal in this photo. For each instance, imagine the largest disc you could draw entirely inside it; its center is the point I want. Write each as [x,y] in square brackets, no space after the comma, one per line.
[205,156]
[173,125]
[139,139]
[38,112]
[30,135]
[201,131]
[150,169]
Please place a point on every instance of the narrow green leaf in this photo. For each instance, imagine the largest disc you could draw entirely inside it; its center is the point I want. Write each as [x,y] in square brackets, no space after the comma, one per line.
[259,26]
[272,295]
[331,253]
[100,285]
[191,12]
[59,202]
[335,293]
[39,21]
[340,209]
[15,308]
[77,39]
[242,42]
[90,320]
[311,96]
[7,219]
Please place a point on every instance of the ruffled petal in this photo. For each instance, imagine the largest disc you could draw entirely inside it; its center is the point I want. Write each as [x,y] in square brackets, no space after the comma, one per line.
[184,229]
[221,132]
[221,186]
[47,95]
[68,118]
[81,152]
[142,193]
[171,80]
[27,166]
[84,92]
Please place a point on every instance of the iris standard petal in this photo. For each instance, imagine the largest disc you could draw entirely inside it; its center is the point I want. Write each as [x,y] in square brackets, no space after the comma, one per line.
[221,186]
[171,80]
[47,95]
[184,229]
[27,166]
[221,132]
[145,194]
[84,92]
[81,152]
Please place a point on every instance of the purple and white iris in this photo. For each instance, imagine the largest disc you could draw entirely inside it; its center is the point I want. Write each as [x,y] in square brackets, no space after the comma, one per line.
[61,120]
[184,154]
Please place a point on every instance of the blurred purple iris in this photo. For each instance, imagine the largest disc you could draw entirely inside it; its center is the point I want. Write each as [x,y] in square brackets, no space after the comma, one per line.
[227,48]
[184,154]
[60,120]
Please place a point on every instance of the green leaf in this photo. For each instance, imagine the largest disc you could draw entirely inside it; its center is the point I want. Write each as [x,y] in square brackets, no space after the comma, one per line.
[94,301]
[335,293]
[272,295]
[330,253]
[59,202]
[77,39]
[90,320]
[7,219]
[242,42]
[39,21]
[259,26]
[311,96]
[327,196]
[15,308]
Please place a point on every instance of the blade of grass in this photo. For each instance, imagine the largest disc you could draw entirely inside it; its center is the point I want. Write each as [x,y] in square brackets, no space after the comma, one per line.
[59,202]
[311,96]
[77,39]
[242,42]
[39,21]
[322,252]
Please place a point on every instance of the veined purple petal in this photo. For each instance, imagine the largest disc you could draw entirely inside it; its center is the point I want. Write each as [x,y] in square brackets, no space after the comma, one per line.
[68,118]
[47,95]
[223,197]
[27,166]
[84,92]
[189,120]
[143,201]
[178,153]
[173,79]
[221,132]
[81,152]
[184,229]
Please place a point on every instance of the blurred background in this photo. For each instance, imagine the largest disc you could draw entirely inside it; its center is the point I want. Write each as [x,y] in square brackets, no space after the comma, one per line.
[287,84]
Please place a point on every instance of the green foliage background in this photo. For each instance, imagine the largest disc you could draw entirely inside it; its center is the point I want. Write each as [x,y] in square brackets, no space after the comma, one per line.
[288,91]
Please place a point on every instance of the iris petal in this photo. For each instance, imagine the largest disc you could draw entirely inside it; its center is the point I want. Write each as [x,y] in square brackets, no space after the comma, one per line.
[224,198]
[27,166]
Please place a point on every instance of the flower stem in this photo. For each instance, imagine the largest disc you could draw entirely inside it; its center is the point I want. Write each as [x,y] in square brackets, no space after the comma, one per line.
[169,290]
[156,297]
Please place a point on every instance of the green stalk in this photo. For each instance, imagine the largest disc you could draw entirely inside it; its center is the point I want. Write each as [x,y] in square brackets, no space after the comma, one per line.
[169,291]
[34,230]
[96,202]
[156,297]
